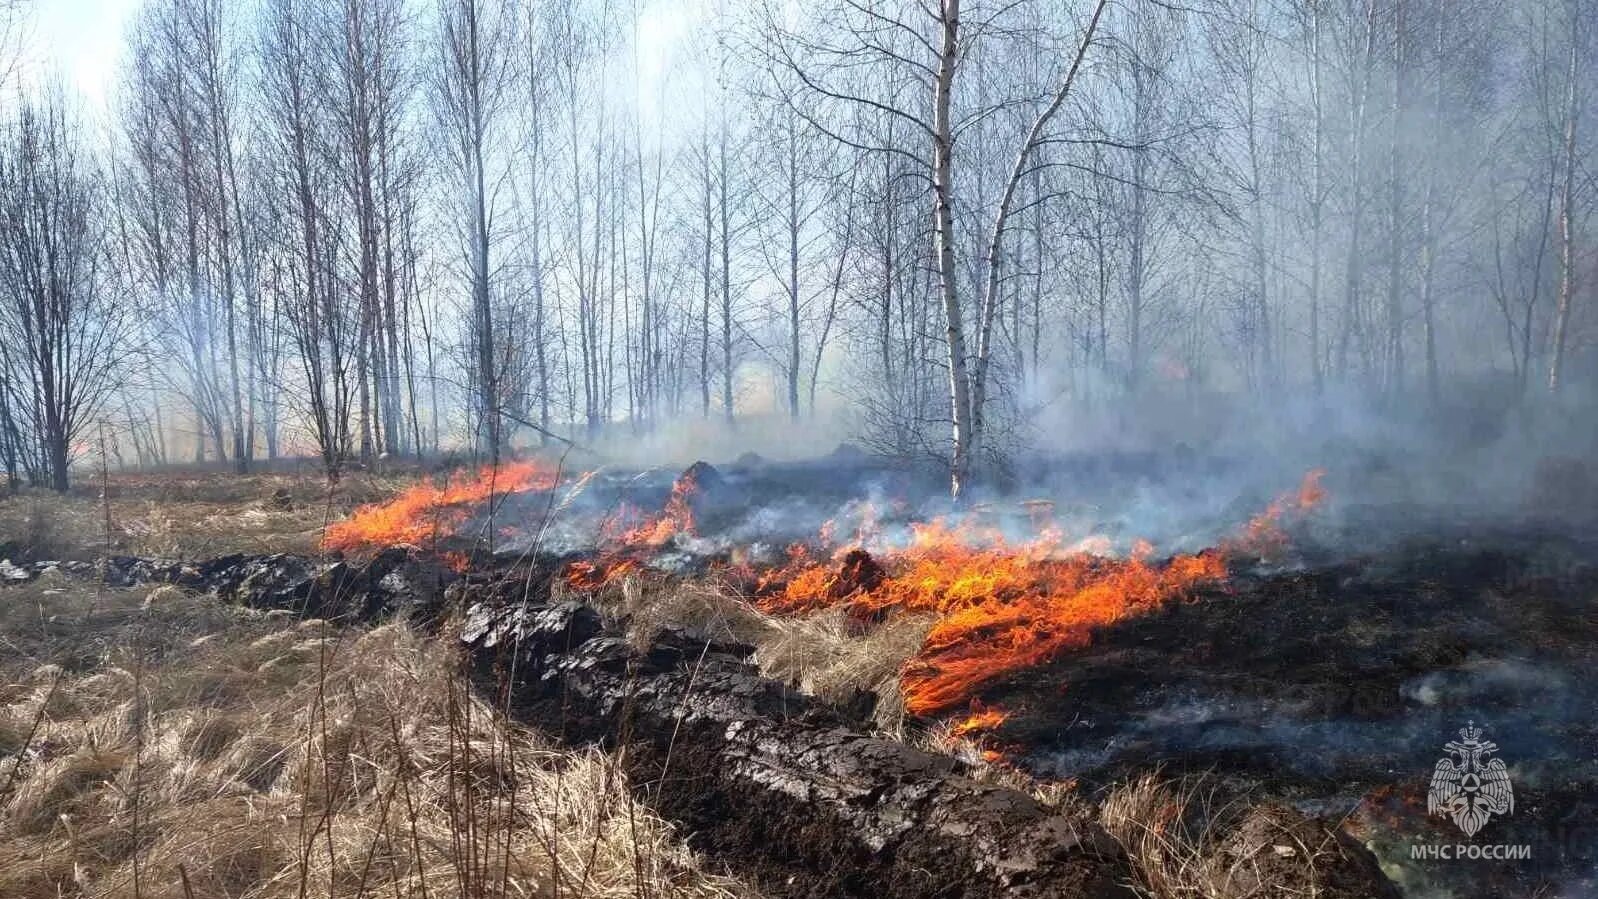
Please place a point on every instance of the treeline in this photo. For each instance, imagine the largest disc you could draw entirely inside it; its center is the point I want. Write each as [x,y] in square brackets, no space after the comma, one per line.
[366,227]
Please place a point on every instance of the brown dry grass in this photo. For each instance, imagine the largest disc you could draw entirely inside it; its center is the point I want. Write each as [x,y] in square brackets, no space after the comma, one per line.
[155,746]
[1183,845]
[184,516]
[821,653]
[825,655]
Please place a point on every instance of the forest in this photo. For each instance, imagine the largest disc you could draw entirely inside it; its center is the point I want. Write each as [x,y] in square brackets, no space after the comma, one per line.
[947,232]
[784,449]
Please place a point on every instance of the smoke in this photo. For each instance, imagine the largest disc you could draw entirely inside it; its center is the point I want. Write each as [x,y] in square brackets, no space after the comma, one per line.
[1178,461]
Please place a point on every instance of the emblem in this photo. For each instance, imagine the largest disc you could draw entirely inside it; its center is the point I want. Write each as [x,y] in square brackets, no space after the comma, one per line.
[1467,786]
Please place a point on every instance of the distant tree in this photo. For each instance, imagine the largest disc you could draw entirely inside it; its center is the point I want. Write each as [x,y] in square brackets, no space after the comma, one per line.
[931,47]
[61,326]
[472,91]
[322,323]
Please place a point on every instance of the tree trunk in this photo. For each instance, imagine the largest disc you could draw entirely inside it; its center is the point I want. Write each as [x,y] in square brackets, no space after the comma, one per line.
[1567,238]
[725,217]
[1429,227]
[1395,210]
[1351,315]
[943,223]
[1317,203]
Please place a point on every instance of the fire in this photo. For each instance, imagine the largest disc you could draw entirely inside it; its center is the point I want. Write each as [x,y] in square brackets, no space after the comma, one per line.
[630,529]
[1263,535]
[627,537]
[676,518]
[592,575]
[983,718]
[428,510]
[1000,606]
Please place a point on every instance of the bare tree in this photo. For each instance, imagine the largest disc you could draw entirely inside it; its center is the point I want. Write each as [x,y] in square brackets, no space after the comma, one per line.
[471,90]
[60,321]
[936,36]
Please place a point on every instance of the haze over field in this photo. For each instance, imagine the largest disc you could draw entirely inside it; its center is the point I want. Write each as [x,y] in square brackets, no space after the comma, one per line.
[939,449]
[959,235]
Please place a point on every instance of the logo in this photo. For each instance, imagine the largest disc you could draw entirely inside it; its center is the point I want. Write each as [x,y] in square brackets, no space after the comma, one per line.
[1467,786]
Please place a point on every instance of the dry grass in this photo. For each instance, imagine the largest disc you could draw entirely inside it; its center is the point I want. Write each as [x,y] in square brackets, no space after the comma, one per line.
[185,516]
[1182,845]
[821,653]
[648,603]
[1152,822]
[824,654]
[242,755]
[986,766]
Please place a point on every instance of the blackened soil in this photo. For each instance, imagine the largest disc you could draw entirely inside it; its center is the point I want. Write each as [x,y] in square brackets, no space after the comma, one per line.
[1335,689]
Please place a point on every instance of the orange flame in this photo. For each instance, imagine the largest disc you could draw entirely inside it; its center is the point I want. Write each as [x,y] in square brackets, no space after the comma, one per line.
[583,575]
[998,606]
[1002,607]
[676,518]
[982,719]
[1263,535]
[428,511]
[627,537]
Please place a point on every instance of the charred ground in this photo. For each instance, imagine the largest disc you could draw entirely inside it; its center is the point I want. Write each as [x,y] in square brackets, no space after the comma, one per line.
[1298,699]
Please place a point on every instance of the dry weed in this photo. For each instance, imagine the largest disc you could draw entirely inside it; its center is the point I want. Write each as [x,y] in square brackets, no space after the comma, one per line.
[184,516]
[826,655]
[823,653]
[1182,844]
[272,759]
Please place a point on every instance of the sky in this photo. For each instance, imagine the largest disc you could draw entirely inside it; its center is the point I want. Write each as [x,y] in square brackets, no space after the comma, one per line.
[80,41]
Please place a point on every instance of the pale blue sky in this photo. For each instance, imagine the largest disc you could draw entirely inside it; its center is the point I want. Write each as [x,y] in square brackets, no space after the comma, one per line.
[83,42]
[78,40]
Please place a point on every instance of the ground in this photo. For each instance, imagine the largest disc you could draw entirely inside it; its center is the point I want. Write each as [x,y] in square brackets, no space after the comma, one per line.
[159,744]
[184,515]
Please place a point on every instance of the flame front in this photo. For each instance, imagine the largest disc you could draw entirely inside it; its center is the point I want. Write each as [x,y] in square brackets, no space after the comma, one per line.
[1263,535]
[427,511]
[628,539]
[982,719]
[626,530]
[1000,606]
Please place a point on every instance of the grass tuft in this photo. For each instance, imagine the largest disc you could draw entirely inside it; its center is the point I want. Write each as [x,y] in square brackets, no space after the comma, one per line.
[238,755]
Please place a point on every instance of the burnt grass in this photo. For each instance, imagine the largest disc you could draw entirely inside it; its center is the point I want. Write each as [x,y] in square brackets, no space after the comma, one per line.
[1328,681]
[1335,687]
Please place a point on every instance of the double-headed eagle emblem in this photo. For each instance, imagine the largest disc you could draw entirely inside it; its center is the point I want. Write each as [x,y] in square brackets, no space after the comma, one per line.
[1467,786]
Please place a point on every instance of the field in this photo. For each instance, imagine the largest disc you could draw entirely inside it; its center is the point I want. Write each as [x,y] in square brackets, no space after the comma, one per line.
[571,683]
[157,743]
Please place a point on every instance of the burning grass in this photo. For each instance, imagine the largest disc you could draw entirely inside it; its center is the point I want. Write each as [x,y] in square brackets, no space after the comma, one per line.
[427,510]
[182,516]
[999,606]
[938,617]
[980,604]
[153,745]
